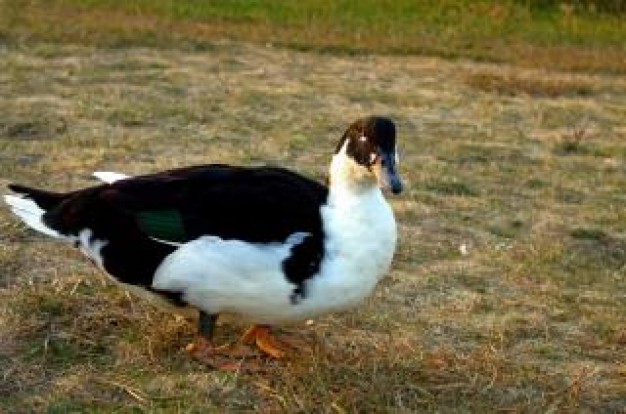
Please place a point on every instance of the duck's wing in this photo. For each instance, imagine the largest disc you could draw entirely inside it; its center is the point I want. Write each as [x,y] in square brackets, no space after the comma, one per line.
[129,227]
[257,205]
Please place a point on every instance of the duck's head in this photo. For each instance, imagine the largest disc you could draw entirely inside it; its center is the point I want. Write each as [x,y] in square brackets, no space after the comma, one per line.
[366,156]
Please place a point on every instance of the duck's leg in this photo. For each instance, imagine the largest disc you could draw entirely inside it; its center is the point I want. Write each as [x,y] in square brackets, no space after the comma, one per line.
[205,350]
[261,336]
[228,357]
[203,346]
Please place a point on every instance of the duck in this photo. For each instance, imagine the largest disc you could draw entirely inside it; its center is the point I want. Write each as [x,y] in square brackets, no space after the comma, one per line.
[264,243]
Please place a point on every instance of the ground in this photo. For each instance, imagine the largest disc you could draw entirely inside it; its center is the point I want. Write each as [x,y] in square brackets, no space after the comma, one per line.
[508,290]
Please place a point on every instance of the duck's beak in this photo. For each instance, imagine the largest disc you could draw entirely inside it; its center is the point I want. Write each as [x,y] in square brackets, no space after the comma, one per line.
[389,176]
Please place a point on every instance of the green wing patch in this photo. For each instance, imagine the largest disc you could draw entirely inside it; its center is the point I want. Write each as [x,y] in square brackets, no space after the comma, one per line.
[162,224]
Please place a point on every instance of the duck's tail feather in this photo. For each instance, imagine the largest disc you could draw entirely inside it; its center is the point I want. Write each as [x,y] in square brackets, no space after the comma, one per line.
[30,213]
[31,205]
[44,199]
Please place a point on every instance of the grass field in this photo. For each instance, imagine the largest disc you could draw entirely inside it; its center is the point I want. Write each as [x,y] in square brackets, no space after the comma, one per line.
[580,35]
[523,166]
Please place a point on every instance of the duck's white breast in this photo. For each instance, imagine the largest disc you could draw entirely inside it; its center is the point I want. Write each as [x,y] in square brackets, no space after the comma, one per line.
[247,279]
[229,276]
[360,243]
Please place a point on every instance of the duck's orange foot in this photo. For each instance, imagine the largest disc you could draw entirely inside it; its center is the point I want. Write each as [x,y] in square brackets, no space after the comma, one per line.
[225,357]
[261,336]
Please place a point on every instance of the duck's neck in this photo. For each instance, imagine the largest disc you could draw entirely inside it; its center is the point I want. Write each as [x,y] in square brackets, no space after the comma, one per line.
[358,222]
[348,179]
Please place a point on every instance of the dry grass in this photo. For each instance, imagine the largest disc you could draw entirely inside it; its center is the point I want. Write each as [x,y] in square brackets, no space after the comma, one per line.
[530,319]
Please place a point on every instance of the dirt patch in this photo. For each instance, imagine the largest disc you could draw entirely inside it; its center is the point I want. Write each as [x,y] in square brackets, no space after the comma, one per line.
[34,130]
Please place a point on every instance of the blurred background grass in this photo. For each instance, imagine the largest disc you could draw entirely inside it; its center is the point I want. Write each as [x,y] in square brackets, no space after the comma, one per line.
[581,35]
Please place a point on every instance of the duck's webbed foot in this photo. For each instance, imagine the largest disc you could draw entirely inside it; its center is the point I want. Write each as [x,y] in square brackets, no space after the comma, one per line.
[266,342]
[241,355]
[228,357]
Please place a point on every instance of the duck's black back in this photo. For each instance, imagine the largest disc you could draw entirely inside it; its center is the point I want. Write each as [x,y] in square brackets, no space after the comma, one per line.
[136,216]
